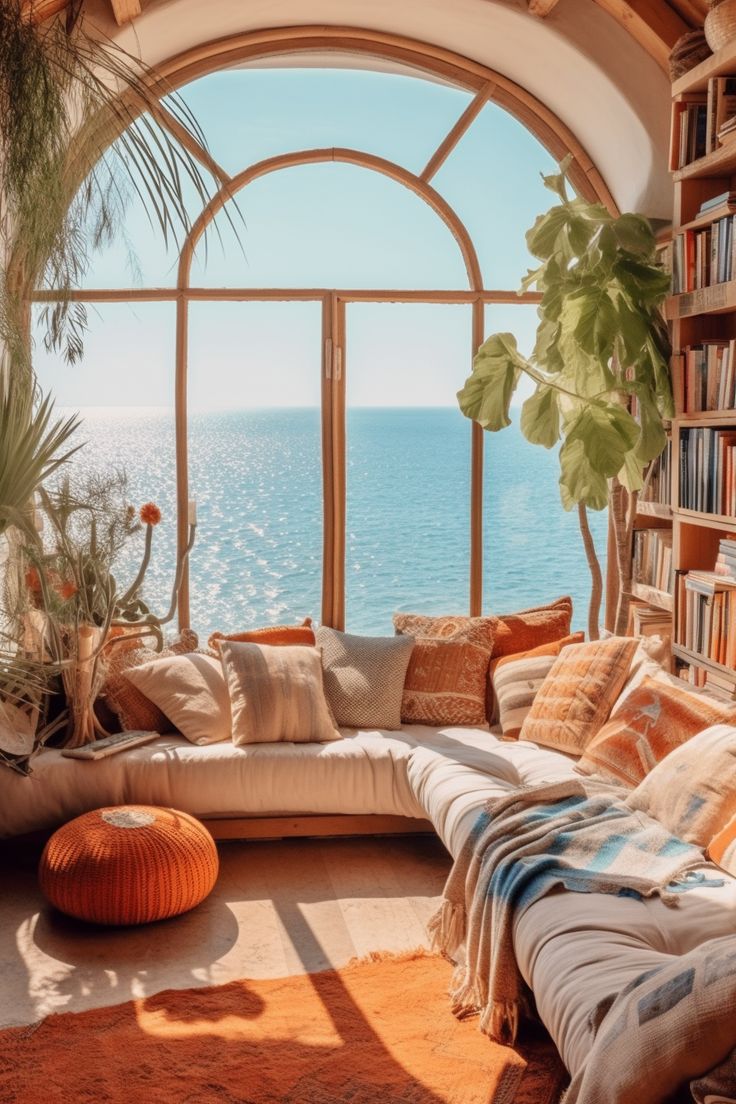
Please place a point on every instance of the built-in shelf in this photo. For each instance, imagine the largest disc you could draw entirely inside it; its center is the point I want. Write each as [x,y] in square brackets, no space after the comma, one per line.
[717,299]
[654,509]
[707,417]
[653,597]
[712,521]
[721,162]
[720,64]
[698,660]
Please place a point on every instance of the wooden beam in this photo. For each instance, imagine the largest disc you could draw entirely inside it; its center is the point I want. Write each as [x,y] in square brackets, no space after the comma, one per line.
[448,143]
[541,8]
[655,25]
[125,10]
[369,824]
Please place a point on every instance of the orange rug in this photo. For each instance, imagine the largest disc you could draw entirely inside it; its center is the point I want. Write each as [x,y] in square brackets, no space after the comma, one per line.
[376,1032]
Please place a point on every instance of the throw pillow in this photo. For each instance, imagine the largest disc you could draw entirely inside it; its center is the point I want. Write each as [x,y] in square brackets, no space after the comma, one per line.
[722,848]
[515,680]
[364,677]
[132,707]
[693,790]
[519,632]
[652,721]
[276,693]
[274,635]
[448,669]
[577,695]
[191,691]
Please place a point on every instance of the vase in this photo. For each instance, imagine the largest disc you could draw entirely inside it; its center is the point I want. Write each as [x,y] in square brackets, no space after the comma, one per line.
[83,674]
[720,24]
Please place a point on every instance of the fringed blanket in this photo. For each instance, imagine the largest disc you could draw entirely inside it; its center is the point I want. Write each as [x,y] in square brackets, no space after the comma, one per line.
[575,834]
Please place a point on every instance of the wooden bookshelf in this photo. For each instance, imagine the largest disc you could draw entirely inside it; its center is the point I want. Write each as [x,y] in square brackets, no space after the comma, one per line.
[705,314]
[660,599]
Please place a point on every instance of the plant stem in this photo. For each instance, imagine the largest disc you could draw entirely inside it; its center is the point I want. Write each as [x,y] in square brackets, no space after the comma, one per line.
[596,575]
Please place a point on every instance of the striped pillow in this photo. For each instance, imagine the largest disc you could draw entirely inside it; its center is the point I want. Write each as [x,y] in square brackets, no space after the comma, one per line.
[722,848]
[652,721]
[578,694]
[515,680]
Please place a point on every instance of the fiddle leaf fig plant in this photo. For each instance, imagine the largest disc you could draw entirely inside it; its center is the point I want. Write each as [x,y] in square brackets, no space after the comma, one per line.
[601,342]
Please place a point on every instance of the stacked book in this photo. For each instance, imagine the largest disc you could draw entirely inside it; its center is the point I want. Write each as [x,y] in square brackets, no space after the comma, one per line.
[709,376]
[701,258]
[727,130]
[653,559]
[720,111]
[647,621]
[707,616]
[707,468]
[658,486]
[690,130]
[726,559]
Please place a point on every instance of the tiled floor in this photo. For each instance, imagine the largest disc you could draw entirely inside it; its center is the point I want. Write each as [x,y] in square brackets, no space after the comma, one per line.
[278,908]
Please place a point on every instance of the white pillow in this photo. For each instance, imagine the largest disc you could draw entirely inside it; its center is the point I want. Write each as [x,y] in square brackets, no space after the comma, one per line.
[191,690]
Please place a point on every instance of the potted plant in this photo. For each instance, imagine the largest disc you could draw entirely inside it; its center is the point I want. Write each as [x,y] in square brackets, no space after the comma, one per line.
[600,368]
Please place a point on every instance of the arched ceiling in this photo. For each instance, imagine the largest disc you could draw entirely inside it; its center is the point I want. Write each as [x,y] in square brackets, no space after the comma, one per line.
[599,65]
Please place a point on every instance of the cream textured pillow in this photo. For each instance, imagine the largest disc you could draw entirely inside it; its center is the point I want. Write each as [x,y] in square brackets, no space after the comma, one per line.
[692,792]
[364,677]
[191,691]
[276,694]
[577,696]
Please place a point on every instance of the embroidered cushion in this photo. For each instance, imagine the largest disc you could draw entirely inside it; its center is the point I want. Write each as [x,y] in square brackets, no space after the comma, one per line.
[131,706]
[578,694]
[527,629]
[693,790]
[652,721]
[446,678]
[191,691]
[271,634]
[515,680]
[276,694]
[364,677]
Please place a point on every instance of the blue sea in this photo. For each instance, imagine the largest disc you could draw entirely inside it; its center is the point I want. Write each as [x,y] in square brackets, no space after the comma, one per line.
[256,477]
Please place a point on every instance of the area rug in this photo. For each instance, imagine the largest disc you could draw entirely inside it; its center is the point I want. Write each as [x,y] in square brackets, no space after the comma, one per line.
[379,1031]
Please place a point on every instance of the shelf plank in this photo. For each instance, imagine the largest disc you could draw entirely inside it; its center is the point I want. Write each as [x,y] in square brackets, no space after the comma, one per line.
[721,162]
[654,509]
[653,597]
[707,418]
[709,521]
[720,64]
[698,660]
[717,299]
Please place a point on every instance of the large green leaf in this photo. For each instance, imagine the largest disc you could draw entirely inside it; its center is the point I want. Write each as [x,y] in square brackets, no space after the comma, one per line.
[632,472]
[540,417]
[634,234]
[644,283]
[652,436]
[486,396]
[543,238]
[579,481]
[607,432]
[590,318]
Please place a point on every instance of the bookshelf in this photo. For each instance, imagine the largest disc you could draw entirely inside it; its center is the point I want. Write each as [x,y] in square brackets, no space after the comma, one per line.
[702,320]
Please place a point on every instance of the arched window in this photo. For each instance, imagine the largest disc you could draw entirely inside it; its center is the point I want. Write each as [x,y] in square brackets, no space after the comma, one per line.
[304,376]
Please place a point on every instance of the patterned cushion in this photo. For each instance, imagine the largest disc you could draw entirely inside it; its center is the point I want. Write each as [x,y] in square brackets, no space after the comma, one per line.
[191,691]
[446,679]
[722,848]
[364,677]
[272,634]
[693,790]
[527,629]
[276,694]
[132,707]
[577,695]
[515,680]
[652,721]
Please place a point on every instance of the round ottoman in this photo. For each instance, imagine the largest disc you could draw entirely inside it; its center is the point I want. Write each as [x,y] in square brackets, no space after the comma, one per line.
[129,864]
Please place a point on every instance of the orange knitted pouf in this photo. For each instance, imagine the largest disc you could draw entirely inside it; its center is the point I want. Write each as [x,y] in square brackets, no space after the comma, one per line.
[129,864]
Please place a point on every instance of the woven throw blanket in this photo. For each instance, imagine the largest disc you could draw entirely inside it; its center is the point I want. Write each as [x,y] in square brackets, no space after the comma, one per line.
[574,834]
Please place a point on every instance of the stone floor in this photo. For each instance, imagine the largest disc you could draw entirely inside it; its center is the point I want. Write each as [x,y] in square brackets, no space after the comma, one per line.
[278,908]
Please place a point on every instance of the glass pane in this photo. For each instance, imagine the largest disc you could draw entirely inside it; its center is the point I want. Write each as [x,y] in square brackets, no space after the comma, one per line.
[250,114]
[408,462]
[492,179]
[255,463]
[331,225]
[533,550]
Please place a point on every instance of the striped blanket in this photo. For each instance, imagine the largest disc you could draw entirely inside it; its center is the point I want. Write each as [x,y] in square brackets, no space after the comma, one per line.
[574,834]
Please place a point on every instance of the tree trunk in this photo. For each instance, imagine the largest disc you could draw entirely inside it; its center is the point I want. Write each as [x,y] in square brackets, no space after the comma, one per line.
[623,512]
[596,576]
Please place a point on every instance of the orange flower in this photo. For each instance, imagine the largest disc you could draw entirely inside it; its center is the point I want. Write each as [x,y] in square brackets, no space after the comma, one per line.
[67,589]
[33,580]
[150,514]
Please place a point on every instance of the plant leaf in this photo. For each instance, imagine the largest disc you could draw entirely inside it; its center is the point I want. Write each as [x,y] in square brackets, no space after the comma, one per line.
[540,417]
[486,396]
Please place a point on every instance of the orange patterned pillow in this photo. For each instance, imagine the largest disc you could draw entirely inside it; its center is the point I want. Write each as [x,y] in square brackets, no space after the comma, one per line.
[275,635]
[654,719]
[578,694]
[132,707]
[722,848]
[446,679]
[527,629]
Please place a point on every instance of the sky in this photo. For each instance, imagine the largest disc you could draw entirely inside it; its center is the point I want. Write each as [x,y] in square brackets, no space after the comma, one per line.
[329,225]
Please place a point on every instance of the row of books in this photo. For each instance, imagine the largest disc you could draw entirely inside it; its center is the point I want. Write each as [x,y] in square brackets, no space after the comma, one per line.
[701,121]
[708,470]
[648,621]
[701,258]
[706,616]
[718,685]
[707,376]
[658,485]
[653,559]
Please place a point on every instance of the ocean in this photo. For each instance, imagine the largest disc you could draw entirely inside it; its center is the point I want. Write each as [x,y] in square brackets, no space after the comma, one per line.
[256,477]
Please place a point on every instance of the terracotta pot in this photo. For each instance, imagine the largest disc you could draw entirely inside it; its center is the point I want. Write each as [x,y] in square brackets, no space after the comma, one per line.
[720,24]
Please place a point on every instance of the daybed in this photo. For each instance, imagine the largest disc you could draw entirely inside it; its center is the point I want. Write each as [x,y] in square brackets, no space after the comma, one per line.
[574,950]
